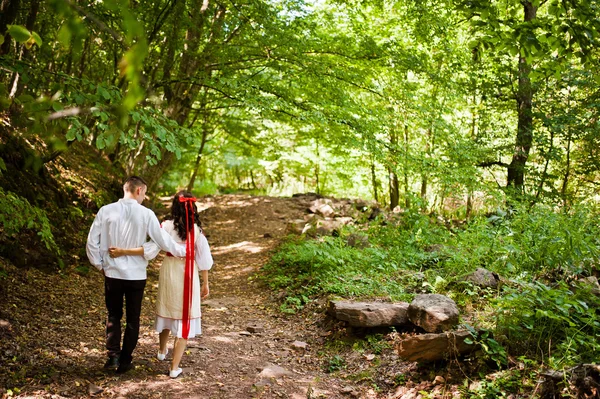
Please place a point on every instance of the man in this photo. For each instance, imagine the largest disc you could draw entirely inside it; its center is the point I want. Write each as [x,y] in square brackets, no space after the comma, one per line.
[125,224]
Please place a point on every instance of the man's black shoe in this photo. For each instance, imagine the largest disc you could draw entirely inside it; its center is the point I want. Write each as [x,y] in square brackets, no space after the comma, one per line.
[111,363]
[123,368]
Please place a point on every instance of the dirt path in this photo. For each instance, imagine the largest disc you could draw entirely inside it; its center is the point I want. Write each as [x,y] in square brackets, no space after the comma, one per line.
[53,345]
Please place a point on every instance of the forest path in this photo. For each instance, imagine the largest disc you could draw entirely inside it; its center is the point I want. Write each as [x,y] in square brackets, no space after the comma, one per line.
[54,345]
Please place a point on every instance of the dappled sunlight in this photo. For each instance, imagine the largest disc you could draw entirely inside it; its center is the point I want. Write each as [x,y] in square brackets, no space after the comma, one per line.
[222,339]
[244,246]
[163,384]
[231,221]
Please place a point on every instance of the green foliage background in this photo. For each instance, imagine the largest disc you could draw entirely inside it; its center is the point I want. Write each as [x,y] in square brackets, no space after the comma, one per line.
[477,121]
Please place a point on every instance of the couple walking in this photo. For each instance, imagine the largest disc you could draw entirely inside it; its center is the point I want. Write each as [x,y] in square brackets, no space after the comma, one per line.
[117,246]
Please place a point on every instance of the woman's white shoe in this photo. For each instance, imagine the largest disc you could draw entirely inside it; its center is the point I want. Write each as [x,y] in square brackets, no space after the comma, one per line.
[175,373]
[162,356]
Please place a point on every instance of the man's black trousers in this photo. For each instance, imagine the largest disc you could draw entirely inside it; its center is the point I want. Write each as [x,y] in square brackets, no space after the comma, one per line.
[133,292]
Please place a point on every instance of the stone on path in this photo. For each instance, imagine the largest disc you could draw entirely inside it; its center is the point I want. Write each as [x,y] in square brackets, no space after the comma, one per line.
[347,389]
[433,312]
[255,328]
[370,314]
[299,345]
[94,389]
[328,226]
[483,278]
[431,347]
[273,371]
[322,207]
[295,227]
[439,380]
[405,393]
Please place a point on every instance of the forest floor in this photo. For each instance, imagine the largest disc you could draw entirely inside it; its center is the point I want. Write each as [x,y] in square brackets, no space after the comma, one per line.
[52,327]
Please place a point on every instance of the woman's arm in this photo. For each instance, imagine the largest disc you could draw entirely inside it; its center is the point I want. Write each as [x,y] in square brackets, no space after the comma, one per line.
[115,252]
[204,291]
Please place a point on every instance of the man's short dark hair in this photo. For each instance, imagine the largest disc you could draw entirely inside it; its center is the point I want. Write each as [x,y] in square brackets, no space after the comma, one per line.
[133,182]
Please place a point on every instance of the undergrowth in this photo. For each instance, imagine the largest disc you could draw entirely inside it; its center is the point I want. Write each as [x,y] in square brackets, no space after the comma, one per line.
[540,253]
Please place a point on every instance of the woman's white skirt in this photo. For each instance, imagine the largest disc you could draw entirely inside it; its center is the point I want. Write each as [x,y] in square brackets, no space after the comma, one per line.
[176,326]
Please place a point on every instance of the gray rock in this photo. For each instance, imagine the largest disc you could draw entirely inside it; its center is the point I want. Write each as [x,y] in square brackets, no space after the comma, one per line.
[483,278]
[94,389]
[322,207]
[328,226]
[405,393]
[274,371]
[370,314]
[299,345]
[430,347]
[361,205]
[295,227]
[347,389]
[325,211]
[433,312]
[255,328]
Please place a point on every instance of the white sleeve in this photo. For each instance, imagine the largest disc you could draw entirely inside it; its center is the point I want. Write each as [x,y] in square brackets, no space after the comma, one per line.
[151,250]
[162,238]
[92,247]
[203,257]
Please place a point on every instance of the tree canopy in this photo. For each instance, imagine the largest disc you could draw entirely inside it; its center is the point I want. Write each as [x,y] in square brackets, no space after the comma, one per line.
[404,102]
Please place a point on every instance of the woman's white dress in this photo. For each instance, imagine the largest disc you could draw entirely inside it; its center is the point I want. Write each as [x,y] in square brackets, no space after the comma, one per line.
[169,304]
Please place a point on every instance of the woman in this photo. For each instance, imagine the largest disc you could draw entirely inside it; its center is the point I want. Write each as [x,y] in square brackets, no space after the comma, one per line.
[179,290]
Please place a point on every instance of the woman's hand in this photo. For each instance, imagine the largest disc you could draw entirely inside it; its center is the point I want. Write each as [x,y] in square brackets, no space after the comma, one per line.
[204,291]
[115,252]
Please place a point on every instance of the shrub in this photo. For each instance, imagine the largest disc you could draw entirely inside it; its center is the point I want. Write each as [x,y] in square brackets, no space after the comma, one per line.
[17,214]
[552,322]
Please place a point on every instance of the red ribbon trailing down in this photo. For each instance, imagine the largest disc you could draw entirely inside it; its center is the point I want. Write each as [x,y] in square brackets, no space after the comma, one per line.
[188,281]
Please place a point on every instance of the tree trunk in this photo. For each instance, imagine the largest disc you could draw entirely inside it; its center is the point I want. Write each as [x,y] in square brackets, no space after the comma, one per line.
[524,139]
[392,176]
[545,171]
[8,14]
[405,169]
[563,190]
[181,95]
[394,190]
[424,175]
[374,180]
[469,209]
[317,169]
[198,159]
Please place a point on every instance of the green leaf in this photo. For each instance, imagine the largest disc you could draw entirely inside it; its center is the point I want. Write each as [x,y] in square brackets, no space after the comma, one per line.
[100,143]
[64,36]
[37,38]
[1,40]
[104,93]
[71,134]
[19,33]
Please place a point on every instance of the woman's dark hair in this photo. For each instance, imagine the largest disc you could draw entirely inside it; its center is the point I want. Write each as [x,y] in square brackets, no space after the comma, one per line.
[178,214]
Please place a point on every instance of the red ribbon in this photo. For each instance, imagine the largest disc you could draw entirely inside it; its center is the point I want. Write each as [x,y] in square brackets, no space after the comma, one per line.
[188,281]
